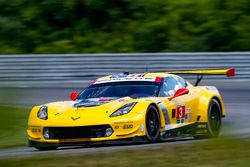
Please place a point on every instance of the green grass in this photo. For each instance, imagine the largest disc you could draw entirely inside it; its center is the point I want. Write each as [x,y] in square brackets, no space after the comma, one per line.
[212,153]
[223,152]
[13,124]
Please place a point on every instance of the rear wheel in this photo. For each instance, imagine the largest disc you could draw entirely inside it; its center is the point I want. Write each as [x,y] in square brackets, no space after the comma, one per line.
[214,120]
[153,124]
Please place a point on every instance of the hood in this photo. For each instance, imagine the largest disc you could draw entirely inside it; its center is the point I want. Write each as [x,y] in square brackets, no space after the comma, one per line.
[90,103]
[90,110]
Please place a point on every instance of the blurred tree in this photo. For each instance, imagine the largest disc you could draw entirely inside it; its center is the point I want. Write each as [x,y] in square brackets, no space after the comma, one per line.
[92,26]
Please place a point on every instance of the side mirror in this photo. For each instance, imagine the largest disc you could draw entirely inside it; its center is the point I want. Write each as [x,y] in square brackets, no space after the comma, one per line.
[73,96]
[179,92]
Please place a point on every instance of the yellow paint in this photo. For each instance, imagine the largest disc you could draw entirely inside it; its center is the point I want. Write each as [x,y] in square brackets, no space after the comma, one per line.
[60,114]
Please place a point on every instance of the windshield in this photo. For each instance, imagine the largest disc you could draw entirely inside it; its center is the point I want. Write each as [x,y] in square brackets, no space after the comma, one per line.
[122,89]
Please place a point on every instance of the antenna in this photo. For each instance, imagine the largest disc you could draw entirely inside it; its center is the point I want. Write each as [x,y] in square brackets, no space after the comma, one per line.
[126,73]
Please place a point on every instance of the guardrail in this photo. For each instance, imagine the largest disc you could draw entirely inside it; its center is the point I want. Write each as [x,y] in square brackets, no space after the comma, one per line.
[80,69]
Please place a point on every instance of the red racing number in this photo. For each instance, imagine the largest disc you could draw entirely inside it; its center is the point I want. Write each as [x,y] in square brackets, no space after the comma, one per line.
[180,112]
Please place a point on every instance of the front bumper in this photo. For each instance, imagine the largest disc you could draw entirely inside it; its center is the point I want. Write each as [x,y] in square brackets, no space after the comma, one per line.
[60,135]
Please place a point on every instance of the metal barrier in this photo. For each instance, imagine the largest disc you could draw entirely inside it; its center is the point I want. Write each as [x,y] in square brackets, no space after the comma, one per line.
[79,69]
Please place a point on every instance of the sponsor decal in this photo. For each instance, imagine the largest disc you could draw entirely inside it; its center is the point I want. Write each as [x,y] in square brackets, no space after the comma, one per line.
[103,99]
[202,126]
[188,110]
[201,131]
[180,114]
[136,75]
[119,76]
[122,100]
[127,75]
[87,104]
[127,126]
[187,116]
[125,79]
[116,127]
[126,122]
[93,102]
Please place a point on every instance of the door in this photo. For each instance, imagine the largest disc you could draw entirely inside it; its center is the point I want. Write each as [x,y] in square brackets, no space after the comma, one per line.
[180,109]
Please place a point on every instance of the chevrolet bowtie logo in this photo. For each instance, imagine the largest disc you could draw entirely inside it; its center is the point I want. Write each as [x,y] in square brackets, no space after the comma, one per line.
[75,118]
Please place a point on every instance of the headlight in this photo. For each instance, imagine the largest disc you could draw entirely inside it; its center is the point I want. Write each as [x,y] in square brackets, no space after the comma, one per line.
[43,113]
[123,110]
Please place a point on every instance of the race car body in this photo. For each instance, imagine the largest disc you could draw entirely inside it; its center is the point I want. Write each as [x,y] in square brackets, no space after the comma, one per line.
[154,106]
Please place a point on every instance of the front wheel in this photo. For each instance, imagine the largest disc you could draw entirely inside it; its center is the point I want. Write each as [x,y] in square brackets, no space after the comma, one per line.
[153,124]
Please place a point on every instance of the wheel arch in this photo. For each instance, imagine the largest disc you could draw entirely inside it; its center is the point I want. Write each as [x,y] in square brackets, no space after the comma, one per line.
[204,106]
[221,105]
[153,136]
[161,115]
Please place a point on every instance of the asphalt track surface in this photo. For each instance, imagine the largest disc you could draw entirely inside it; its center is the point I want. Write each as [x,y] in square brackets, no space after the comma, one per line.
[236,96]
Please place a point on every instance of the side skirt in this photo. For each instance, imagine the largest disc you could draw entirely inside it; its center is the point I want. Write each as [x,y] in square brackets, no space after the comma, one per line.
[185,131]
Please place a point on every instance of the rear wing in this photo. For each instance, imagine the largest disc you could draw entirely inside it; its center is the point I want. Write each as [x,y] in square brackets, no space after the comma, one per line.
[230,72]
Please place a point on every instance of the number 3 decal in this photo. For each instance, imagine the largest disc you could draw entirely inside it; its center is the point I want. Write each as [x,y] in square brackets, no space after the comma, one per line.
[180,112]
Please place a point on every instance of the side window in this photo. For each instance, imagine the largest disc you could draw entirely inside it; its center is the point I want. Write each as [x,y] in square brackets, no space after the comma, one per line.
[181,82]
[169,87]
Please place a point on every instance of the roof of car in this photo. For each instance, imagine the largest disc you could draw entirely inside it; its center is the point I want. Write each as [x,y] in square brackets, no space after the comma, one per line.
[153,77]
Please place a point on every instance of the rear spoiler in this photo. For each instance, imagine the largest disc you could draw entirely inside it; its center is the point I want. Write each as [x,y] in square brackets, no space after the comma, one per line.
[230,72]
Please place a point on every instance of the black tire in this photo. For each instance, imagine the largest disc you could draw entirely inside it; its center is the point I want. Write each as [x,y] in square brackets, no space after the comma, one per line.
[153,124]
[46,148]
[214,120]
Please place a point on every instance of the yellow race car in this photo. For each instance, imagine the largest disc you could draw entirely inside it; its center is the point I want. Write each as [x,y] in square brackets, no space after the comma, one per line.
[151,106]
